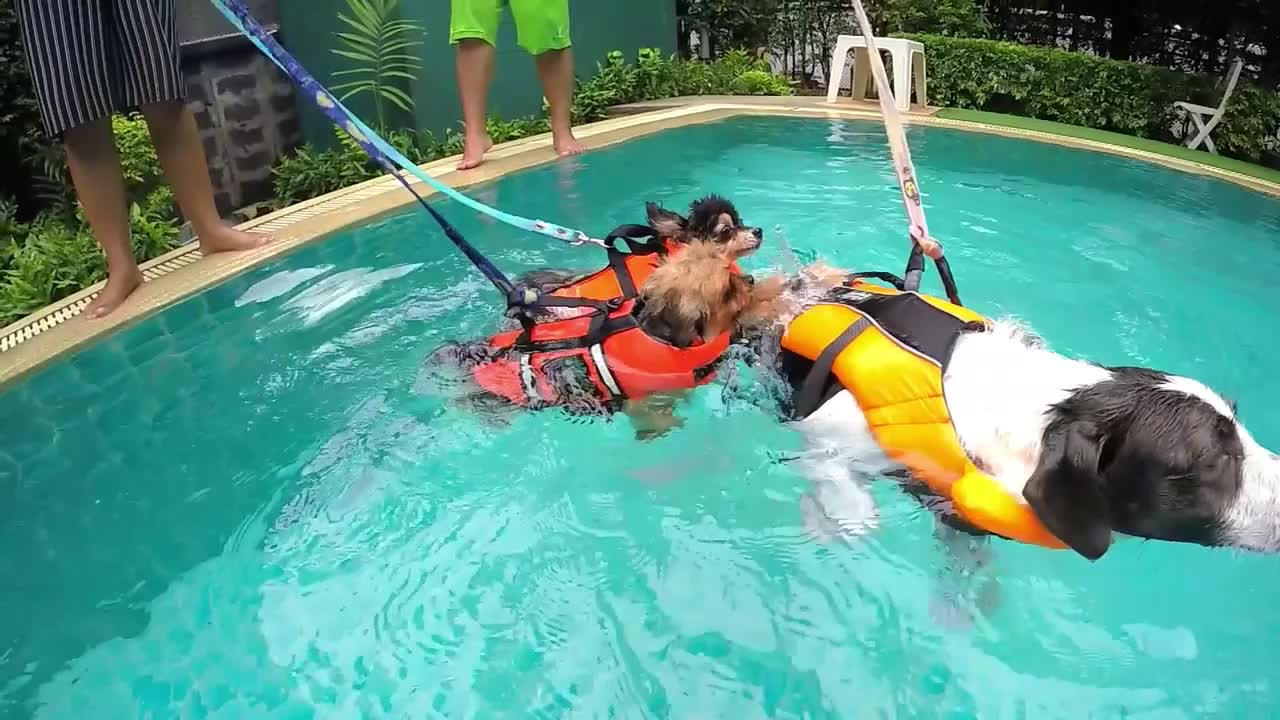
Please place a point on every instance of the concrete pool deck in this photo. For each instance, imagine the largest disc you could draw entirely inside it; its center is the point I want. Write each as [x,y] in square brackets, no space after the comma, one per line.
[44,336]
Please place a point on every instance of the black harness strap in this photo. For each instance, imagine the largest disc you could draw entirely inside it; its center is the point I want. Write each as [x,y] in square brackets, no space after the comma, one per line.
[630,231]
[600,308]
[890,278]
[915,269]
[631,235]
[810,395]
[618,263]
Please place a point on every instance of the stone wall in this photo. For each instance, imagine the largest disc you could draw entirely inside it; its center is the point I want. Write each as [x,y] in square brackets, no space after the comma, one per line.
[247,115]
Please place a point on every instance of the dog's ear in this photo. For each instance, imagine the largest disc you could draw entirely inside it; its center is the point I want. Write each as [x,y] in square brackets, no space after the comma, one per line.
[667,223]
[1065,491]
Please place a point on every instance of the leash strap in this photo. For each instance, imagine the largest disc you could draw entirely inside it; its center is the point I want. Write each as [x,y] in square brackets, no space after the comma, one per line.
[902,165]
[236,13]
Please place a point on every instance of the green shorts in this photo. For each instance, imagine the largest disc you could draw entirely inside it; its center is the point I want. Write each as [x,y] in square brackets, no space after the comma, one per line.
[541,25]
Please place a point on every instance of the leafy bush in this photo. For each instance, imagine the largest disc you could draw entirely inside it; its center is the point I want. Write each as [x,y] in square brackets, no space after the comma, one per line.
[384,51]
[56,259]
[759,82]
[1090,91]
[501,131]
[310,172]
[19,118]
[1250,127]
[142,171]
[654,76]
[956,18]
[420,147]
[56,254]
[11,233]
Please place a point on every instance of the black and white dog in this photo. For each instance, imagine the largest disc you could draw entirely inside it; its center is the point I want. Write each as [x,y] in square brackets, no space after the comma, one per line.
[1092,450]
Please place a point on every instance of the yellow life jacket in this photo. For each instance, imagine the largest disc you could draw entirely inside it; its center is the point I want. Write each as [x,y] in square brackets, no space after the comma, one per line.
[888,349]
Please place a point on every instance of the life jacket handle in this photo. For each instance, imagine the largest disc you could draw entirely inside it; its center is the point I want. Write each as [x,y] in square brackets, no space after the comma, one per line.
[915,270]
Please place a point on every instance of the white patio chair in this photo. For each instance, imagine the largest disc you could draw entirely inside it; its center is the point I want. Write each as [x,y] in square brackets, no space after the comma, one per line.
[908,64]
[1207,118]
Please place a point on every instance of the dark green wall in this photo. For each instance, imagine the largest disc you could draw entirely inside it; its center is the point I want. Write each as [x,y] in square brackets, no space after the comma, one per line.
[597,26]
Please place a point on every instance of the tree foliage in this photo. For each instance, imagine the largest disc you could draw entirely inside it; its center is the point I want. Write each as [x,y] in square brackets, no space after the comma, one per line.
[1091,91]
[1188,35]
[954,18]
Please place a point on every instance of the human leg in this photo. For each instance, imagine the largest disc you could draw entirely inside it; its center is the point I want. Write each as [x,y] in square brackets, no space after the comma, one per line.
[556,70]
[542,27]
[147,36]
[71,71]
[95,170]
[173,132]
[473,27]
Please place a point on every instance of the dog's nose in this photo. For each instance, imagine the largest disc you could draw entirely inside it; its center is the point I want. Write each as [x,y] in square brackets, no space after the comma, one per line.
[758,233]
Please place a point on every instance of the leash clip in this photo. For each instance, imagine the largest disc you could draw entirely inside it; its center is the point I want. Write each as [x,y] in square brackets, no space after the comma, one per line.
[520,299]
[585,239]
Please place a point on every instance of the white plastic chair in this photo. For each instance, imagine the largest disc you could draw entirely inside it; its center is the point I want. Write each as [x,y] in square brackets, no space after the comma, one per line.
[1207,118]
[908,64]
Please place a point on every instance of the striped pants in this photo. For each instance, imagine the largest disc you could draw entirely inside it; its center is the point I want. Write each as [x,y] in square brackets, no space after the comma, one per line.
[90,59]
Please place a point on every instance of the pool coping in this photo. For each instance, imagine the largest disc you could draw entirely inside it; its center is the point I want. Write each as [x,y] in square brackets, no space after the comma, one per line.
[46,335]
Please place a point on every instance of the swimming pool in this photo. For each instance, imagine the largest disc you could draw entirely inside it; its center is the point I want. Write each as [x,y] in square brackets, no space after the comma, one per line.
[242,507]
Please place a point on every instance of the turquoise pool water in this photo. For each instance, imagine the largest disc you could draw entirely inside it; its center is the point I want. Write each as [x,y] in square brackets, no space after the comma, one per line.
[241,508]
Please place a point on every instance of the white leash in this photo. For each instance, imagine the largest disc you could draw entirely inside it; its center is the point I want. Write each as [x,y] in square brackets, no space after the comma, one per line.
[919,229]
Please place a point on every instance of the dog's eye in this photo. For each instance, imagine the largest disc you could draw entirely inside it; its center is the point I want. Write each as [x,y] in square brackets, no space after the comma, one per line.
[724,231]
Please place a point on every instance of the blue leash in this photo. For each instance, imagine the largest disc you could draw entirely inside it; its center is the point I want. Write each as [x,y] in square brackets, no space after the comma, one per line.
[238,15]
[389,158]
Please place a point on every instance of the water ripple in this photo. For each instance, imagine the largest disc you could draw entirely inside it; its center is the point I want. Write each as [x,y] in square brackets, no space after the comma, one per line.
[252,505]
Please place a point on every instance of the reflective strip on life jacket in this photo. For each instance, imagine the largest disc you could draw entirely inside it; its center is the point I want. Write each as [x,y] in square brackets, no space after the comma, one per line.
[602,367]
[896,379]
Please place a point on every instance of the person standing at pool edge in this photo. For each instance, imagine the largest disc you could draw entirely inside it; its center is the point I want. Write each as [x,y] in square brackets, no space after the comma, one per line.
[90,59]
[542,29]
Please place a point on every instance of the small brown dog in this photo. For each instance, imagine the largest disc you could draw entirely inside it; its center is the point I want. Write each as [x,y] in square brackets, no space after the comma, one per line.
[692,297]
[696,295]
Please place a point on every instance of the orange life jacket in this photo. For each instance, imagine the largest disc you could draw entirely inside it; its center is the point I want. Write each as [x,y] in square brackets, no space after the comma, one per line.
[889,349]
[606,351]
[604,348]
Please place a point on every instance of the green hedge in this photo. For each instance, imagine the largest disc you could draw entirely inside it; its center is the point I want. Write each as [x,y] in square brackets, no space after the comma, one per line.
[653,77]
[20,130]
[1090,91]
[311,172]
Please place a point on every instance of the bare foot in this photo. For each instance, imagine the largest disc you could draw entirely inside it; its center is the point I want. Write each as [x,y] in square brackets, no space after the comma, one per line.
[120,285]
[223,238]
[473,151]
[566,144]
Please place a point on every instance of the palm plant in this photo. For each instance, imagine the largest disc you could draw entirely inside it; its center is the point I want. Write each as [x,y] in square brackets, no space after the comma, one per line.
[383,47]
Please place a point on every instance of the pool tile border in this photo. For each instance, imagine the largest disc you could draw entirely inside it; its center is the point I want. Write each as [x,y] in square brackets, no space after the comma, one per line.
[35,341]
